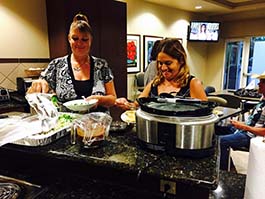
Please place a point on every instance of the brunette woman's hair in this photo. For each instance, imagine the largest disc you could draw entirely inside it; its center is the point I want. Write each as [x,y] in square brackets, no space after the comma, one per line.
[173,48]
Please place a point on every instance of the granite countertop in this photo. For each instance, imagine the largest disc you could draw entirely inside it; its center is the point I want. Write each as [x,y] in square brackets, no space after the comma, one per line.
[123,153]
[119,159]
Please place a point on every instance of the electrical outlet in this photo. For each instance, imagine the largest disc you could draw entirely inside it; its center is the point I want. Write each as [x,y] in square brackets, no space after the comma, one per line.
[167,186]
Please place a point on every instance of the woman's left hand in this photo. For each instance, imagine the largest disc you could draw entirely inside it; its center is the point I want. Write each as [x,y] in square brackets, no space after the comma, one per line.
[93,97]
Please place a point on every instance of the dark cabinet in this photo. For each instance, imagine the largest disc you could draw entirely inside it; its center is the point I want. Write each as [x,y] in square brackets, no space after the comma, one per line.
[108,21]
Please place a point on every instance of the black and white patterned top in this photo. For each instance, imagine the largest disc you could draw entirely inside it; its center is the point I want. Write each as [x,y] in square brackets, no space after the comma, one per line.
[60,77]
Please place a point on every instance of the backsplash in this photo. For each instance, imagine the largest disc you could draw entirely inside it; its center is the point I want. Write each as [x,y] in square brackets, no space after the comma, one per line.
[10,70]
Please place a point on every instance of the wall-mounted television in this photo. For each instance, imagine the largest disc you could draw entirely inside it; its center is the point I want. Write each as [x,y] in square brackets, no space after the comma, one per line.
[207,31]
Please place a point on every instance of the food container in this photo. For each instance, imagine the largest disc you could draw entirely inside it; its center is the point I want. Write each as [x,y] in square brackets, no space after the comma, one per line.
[184,128]
[91,129]
[33,72]
[40,138]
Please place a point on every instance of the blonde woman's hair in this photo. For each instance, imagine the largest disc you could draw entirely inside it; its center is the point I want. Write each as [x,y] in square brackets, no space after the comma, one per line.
[81,23]
[174,49]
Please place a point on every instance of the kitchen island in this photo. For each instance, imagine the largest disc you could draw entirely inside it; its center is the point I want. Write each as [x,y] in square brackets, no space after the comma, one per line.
[119,168]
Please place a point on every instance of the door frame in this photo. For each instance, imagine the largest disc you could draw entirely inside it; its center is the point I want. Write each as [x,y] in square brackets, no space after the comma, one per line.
[245,58]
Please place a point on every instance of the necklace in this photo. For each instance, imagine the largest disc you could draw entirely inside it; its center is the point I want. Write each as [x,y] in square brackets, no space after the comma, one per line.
[77,69]
[77,66]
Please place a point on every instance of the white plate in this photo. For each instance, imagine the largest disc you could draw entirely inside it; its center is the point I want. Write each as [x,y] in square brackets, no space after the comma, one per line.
[80,104]
[128,116]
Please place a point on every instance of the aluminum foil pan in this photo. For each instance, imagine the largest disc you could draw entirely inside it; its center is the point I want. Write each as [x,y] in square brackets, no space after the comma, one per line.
[42,139]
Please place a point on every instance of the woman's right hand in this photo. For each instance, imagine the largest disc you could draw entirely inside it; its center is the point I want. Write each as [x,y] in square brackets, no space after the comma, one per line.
[39,86]
[124,104]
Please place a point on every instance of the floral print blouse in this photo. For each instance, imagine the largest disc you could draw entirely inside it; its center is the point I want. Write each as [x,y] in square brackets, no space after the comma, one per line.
[59,75]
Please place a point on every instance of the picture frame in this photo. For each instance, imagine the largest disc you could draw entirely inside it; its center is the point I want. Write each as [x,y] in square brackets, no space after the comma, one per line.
[148,45]
[133,53]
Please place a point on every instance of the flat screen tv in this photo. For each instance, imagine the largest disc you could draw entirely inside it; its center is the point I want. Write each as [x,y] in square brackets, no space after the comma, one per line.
[204,31]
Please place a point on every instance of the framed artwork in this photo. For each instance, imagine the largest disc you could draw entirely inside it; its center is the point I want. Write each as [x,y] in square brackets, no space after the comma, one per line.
[148,45]
[133,53]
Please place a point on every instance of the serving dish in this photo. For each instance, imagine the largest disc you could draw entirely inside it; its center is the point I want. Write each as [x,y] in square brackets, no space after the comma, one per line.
[118,126]
[80,104]
[62,128]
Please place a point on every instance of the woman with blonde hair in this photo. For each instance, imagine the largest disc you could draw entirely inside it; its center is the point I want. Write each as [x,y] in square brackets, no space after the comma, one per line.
[78,74]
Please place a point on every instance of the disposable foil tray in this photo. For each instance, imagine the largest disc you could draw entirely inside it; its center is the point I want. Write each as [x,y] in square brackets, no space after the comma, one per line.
[42,139]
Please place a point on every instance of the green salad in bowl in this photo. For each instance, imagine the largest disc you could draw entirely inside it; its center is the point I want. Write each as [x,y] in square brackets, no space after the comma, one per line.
[80,104]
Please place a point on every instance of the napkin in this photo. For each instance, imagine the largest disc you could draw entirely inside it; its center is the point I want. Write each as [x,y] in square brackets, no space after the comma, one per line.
[255,181]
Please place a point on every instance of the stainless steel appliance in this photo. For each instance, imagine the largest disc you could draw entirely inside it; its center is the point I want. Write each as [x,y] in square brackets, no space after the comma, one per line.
[184,128]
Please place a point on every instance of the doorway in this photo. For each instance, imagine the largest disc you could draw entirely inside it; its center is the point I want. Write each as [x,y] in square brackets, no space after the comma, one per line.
[243,57]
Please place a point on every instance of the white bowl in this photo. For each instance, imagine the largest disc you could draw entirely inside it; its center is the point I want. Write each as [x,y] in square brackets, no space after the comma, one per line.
[80,104]
[128,116]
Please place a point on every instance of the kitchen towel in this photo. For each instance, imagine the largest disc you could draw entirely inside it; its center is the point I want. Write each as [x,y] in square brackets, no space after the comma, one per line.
[255,181]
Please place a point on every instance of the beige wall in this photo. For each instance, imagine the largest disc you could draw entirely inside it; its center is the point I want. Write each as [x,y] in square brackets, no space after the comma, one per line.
[244,28]
[23,25]
[23,34]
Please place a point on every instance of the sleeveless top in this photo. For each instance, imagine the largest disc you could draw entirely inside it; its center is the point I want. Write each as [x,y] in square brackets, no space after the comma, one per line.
[183,92]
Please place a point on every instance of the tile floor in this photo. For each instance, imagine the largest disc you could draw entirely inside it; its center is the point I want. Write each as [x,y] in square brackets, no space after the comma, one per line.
[240,160]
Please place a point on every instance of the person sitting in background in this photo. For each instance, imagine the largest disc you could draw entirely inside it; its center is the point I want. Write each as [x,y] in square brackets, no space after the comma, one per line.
[173,76]
[151,69]
[238,134]
[78,74]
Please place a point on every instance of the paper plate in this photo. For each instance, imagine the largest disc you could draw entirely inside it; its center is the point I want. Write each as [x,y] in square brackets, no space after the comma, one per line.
[128,116]
[80,104]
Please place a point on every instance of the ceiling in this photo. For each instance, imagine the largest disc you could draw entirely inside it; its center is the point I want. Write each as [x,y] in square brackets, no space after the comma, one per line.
[224,9]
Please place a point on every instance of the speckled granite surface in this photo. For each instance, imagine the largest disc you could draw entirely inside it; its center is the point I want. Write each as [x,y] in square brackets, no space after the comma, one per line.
[120,160]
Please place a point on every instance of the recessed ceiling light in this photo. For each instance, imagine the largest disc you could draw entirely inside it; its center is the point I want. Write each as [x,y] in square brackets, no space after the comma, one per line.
[198,7]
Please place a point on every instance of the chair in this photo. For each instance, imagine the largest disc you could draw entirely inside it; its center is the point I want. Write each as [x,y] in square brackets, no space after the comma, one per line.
[219,100]
[233,101]
[209,89]
[139,81]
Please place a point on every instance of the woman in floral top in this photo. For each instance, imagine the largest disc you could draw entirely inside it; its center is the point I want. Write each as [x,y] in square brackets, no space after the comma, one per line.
[78,74]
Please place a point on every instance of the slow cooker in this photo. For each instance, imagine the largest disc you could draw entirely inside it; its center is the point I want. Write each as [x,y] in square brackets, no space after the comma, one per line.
[182,127]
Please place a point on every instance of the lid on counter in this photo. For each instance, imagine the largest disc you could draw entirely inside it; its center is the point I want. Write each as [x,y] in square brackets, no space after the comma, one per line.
[176,107]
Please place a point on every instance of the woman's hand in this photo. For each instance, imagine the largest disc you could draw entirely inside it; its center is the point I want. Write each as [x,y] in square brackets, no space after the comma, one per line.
[124,104]
[39,86]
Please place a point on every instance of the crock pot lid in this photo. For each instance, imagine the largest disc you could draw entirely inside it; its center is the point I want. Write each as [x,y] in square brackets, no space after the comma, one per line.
[183,108]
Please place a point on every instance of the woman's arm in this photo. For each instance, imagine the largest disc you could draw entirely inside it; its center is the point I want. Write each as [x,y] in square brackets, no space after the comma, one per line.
[197,90]
[107,100]
[124,104]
